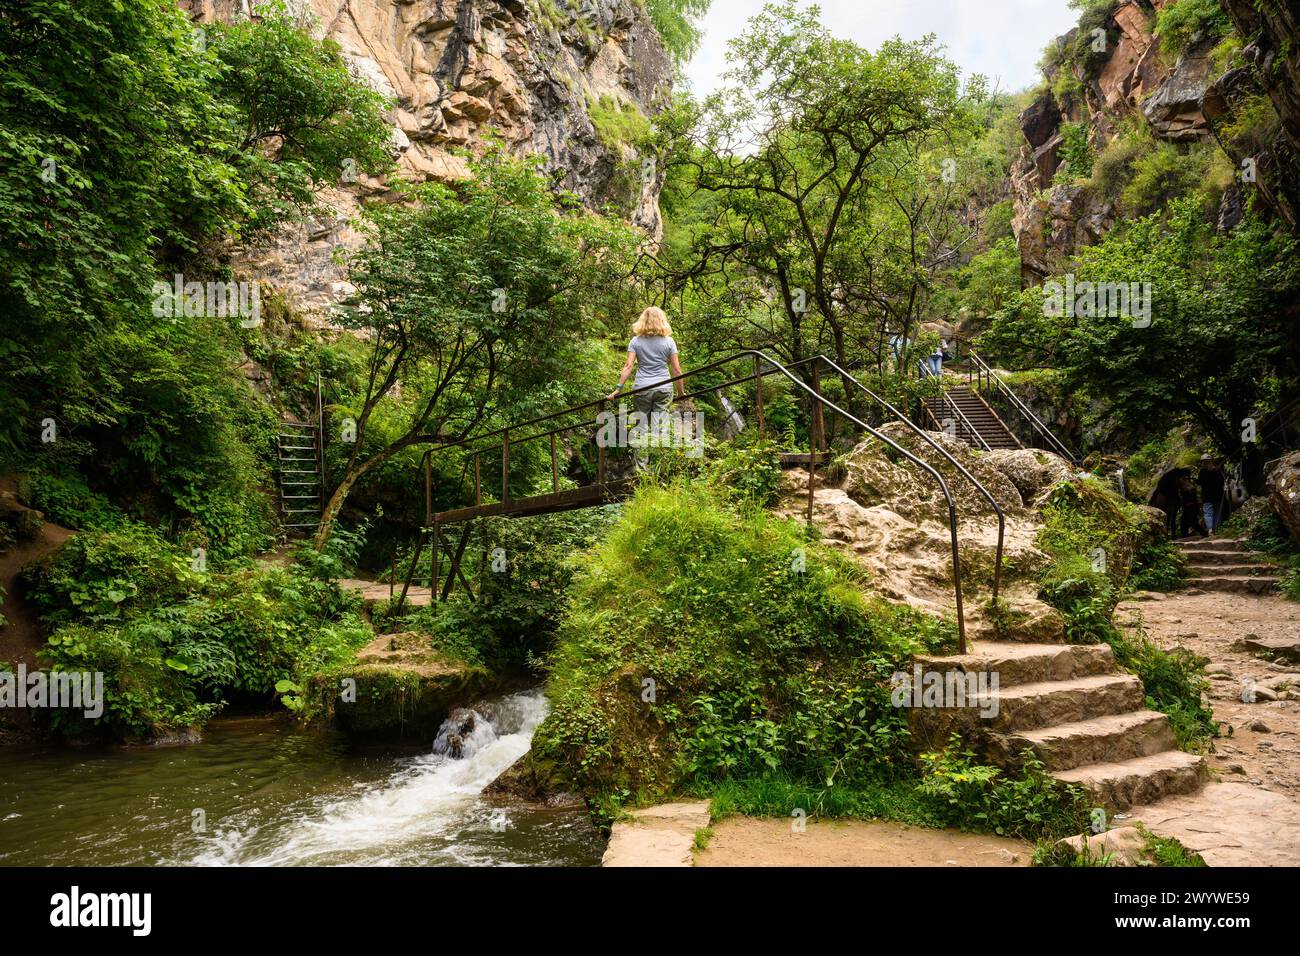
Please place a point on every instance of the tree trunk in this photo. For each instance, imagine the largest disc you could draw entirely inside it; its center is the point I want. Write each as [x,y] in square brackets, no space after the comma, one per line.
[332,508]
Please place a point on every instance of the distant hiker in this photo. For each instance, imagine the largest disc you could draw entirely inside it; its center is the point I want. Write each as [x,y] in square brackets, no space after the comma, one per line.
[936,362]
[1210,478]
[653,353]
[1168,498]
[1191,502]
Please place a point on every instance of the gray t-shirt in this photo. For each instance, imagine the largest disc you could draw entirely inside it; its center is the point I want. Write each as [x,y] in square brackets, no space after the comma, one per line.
[652,355]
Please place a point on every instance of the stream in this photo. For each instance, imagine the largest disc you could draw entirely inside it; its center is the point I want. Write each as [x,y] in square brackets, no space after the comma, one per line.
[259,792]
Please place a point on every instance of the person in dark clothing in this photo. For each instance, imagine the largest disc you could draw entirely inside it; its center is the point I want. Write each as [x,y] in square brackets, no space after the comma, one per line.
[1168,498]
[1191,502]
[1210,478]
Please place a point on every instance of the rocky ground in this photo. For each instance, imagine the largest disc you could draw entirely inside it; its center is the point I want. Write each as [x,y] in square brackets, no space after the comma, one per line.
[1261,739]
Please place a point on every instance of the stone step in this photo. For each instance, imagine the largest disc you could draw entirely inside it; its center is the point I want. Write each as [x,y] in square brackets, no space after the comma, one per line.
[1255,585]
[1026,663]
[1106,739]
[1205,556]
[1213,544]
[1121,784]
[1046,704]
[1232,570]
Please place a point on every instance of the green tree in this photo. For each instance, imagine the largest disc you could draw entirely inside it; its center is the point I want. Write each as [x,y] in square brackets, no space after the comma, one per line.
[1216,330]
[831,170]
[472,298]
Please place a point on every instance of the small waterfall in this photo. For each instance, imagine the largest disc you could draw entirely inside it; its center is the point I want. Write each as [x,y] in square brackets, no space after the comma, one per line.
[430,810]
[733,423]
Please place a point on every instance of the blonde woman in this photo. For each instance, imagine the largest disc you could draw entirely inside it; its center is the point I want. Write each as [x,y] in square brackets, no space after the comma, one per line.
[653,353]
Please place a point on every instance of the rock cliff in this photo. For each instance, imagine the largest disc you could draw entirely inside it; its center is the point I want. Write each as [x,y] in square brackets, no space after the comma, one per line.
[536,73]
[1111,71]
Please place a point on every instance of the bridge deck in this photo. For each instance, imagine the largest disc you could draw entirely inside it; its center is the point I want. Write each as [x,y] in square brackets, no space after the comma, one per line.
[588,496]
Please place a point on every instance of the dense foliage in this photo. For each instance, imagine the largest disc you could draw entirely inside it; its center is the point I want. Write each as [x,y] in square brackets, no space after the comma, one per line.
[705,642]
[174,641]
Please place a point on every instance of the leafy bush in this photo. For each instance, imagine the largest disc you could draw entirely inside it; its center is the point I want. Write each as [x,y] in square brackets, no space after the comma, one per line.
[972,796]
[1179,23]
[1174,682]
[1158,566]
[749,470]
[706,641]
[175,642]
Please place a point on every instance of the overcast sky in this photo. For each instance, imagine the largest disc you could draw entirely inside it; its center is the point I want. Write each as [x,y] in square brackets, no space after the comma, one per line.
[1002,39]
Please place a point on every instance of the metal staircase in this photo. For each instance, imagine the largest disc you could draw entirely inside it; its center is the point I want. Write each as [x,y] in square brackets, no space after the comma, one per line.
[960,412]
[300,446]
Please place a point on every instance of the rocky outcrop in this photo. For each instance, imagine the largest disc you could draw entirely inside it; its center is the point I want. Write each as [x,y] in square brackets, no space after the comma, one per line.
[461,70]
[1174,109]
[1273,58]
[1126,76]
[398,687]
[1283,478]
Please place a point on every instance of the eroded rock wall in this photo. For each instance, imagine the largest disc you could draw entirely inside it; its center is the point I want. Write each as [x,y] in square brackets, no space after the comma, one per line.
[460,70]
[1180,100]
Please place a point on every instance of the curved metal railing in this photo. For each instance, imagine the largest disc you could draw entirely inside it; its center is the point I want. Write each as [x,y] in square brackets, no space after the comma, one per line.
[508,437]
[965,472]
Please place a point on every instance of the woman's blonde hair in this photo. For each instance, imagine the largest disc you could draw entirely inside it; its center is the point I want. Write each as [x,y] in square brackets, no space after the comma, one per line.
[653,321]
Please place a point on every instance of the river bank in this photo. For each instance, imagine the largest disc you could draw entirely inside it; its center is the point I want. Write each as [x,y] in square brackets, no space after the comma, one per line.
[257,791]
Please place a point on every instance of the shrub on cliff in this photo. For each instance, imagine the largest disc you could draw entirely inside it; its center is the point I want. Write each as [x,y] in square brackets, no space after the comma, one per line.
[706,641]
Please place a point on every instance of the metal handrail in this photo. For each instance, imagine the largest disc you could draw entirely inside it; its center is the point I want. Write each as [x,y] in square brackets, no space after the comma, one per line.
[960,418]
[759,358]
[980,367]
[921,433]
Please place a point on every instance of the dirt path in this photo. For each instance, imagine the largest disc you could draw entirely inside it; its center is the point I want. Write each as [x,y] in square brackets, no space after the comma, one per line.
[1261,740]
[746,841]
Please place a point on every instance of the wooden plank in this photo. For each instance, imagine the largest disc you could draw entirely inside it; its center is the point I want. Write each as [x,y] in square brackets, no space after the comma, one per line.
[589,496]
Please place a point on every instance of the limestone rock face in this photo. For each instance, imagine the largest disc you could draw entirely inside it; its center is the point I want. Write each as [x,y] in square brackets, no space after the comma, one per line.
[1273,56]
[1174,110]
[1052,222]
[1283,478]
[459,71]
[893,518]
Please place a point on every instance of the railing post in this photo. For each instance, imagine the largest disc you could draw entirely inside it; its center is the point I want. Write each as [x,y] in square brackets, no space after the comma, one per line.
[600,448]
[428,489]
[555,468]
[478,481]
[505,468]
[758,394]
[818,423]
[434,583]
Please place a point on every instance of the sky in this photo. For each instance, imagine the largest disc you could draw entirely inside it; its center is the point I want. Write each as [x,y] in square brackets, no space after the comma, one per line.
[1003,39]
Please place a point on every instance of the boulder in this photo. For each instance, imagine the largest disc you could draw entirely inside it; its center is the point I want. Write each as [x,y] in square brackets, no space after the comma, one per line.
[1282,477]
[1032,471]
[1174,110]
[1124,846]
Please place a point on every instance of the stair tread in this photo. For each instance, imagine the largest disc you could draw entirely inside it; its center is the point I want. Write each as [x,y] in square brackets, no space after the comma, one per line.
[1094,726]
[1136,766]
[1042,688]
[983,651]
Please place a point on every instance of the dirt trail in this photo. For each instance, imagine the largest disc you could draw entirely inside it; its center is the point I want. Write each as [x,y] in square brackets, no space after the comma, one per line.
[745,841]
[1261,740]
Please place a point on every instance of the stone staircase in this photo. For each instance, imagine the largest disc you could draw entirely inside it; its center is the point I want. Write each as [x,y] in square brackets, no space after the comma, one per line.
[1073,708]
[1224,564]
[991,429]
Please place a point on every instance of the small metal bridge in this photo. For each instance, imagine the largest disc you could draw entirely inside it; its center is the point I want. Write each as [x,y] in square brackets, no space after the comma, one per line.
[580,428]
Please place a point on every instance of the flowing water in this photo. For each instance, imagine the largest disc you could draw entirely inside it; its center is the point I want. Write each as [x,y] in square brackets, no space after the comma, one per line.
[255,793]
